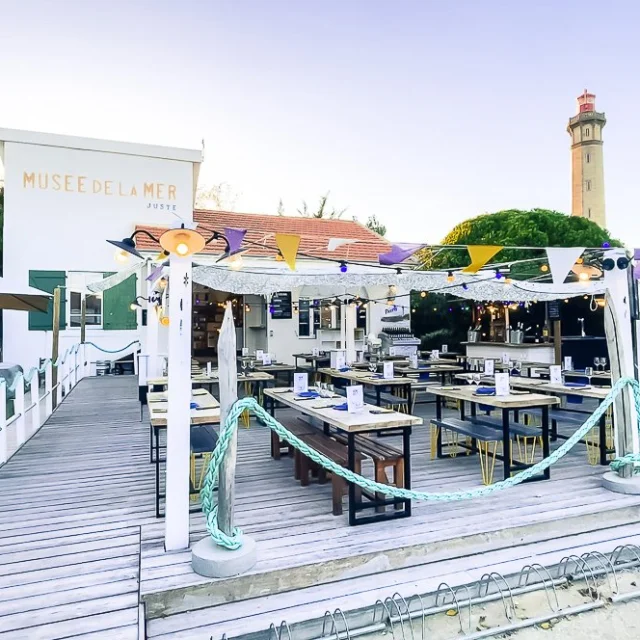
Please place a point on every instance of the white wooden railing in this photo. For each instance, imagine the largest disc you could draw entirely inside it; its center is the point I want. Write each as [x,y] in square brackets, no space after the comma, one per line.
[33,403]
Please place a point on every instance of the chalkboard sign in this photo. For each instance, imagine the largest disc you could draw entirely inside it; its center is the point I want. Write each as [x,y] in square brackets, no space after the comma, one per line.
[281,306]
[554,310]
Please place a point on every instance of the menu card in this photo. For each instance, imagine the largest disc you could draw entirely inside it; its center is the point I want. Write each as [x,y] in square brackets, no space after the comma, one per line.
[355,398]
[413,361]
[444,348]
[245,351]
[387,370]
[338,359]
[435,354]
[555,373]
[568,363]
[502,384]
[315,351]
[505,358]
[300,382]
[266,359]
[208,369]
[259,354]
[489,366]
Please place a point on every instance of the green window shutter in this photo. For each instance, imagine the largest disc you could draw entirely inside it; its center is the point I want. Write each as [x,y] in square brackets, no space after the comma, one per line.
[116,310]
[48,281]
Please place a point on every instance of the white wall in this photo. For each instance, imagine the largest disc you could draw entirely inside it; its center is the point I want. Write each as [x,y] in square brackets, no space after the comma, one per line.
[63,203]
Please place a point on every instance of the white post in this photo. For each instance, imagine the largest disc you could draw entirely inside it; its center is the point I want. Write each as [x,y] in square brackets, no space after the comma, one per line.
[74,374]
[228,381]
[60,380]
[3,421]
[18,410]
[48,389]
[176,535]
[207,558]
[151,343]
[350,320]
[35,401]
[83,360]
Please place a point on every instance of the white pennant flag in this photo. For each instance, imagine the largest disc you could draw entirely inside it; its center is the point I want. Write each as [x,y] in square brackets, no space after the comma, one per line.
[334,243]
[561,260]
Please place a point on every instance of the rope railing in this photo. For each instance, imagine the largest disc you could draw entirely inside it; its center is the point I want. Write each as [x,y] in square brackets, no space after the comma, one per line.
[234,541]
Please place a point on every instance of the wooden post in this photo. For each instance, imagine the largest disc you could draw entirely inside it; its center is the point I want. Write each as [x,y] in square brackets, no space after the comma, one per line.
[55,344]
[228,381]
[557,341]
[83,320]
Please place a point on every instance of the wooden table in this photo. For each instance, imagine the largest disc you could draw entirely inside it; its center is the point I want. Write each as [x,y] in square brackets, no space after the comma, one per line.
[277,368]
[442,369]
[366,378]
[158,405]
[351,424]
[506,404]
[314,360]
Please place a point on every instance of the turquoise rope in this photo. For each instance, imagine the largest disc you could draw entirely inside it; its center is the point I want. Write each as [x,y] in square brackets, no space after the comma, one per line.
[109,350]
[234,541]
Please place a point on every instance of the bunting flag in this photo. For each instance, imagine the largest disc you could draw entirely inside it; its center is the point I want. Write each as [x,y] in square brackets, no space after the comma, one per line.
[480,254]
[561,261]
[234,238]
[155,274]
[334,243]
[636,268]
[288,245]
[398,253]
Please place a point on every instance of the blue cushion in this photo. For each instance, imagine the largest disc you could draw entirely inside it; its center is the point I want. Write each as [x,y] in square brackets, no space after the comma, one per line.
[424,376]
[203,438]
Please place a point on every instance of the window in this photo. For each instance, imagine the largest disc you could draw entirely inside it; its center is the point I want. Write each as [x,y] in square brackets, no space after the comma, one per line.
[587,132]
[94,310]
[587,158]
[304,319]
[589,212]
[587,185]
[330,315]
[317,314]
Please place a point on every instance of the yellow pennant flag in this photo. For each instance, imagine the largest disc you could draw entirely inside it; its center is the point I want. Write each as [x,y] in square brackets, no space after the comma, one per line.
[288,245]
[480,254]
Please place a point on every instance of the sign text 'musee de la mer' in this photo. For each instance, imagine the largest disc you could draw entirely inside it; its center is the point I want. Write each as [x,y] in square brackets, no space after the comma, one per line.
[83,184]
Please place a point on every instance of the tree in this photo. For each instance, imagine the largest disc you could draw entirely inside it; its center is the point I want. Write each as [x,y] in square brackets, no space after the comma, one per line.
[218,196]
[375,225]
[323,209]
[513,227]
[280,208]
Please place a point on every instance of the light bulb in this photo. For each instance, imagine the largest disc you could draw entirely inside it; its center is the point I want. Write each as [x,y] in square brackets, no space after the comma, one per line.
[584,276]
[182,249]
[162,283]
[236,263]
[423,294]
[122,256]
[164,321]
[544,268]
[450,277]
[133,306]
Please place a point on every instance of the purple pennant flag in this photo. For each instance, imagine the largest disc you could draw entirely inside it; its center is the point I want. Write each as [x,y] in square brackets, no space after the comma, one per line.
[234,238]
[155,274]
[398,253]
[636,254]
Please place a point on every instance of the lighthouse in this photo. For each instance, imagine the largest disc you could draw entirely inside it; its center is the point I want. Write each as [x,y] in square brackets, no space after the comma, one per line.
[587,165]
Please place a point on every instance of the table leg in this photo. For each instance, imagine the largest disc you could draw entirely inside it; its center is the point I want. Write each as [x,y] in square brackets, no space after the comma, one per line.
[378,395]
[406,451]
[439,430]
[473,409]
[409,392]
[150,443]
[506,444]
[603,439]
[157,437]
[351,456]
[462,416]
[545,439]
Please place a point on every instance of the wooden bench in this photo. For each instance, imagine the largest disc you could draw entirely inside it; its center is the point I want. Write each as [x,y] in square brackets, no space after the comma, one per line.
[297,427]
[335,451]
[483,436]
[383,456]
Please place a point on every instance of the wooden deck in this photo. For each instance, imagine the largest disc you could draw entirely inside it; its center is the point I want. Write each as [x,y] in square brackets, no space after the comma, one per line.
[80,547]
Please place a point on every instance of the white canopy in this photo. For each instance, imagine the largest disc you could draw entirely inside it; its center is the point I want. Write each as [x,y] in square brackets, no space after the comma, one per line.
[265,280]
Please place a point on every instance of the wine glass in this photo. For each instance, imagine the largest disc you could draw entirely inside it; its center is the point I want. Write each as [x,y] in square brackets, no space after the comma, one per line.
[596,362]
[252,364]
[476,378]
[588,372]
[331,390]
[372,366]
[243,364]
[322,389]
[603,362]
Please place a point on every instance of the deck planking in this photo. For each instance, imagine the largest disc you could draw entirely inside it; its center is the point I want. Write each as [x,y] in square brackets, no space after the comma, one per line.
[80,546]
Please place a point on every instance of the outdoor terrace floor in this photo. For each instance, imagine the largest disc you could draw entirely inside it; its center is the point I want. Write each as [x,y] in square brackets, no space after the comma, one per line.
[80,547]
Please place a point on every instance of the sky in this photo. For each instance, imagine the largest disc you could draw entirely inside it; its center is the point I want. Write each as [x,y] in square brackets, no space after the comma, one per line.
[422,112]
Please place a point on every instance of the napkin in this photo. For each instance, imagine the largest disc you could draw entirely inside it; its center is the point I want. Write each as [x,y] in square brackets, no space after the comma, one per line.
[194,405]
[308,394]
[341,407]
[576,385]
[344,369]
[485,391]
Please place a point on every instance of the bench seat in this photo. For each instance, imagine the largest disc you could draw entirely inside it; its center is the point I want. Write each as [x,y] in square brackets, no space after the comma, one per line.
[515,428]
[335,451]
[560,415]
[297,427]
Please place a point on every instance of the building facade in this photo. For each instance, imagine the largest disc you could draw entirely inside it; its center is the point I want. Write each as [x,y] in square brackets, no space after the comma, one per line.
[587,164]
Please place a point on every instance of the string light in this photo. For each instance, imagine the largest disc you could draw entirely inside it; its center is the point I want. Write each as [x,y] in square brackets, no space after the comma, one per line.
[450,277]
[584,276]
[498,274]
[423,294]
[508,280]
[343,267]
[162,283]
[544,268]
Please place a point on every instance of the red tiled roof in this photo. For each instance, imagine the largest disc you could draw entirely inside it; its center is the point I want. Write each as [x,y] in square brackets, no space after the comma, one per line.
[314,234]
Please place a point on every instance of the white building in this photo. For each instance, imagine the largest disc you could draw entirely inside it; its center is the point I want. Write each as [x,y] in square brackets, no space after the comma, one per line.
[65,196]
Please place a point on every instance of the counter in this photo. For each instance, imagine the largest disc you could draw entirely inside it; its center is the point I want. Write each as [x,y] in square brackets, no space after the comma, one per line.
[542,352]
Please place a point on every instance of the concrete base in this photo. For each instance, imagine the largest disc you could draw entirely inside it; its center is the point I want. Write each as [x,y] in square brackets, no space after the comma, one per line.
[614,482]
[208,559]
